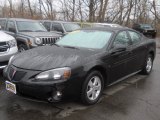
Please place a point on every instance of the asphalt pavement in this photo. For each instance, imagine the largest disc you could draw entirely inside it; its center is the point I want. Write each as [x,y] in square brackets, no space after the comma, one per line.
[137,98]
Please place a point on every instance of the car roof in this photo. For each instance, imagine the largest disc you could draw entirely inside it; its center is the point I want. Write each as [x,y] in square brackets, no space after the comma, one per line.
[57,21]
[21,19]
[107,24]
[3,18]
[113,29]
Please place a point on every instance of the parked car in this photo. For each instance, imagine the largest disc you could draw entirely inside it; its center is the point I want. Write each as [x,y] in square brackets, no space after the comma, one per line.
[146,29]
[28,33]
[61,27]
[8,47]
[106,25]
[81,63]
[85,24]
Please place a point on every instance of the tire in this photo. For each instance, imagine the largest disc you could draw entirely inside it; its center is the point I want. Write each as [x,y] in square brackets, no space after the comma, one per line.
[153,36]
[92,88]
[22,47]
[147,69]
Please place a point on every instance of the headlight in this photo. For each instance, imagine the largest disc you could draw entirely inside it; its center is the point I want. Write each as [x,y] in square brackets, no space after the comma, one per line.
[38,41]
[12,43]
[55,74]
[145,31]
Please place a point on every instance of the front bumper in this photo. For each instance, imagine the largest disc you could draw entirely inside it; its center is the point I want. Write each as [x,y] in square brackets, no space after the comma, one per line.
[4,57]
[152,33]
[41,92]
[26,86]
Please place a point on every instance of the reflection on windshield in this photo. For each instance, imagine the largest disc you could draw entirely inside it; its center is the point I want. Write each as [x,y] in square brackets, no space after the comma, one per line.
[86,39]
[69,27]
[27,26]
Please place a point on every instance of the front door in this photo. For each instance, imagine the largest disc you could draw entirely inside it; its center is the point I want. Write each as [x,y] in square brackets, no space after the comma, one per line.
[118,60]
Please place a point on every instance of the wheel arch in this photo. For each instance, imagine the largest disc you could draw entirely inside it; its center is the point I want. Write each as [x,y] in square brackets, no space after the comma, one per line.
[151,52]
[102,70]
[24,41]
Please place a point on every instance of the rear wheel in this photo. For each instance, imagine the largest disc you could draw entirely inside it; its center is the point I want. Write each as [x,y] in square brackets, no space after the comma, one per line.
[148,65]
[92,88]
[153,36]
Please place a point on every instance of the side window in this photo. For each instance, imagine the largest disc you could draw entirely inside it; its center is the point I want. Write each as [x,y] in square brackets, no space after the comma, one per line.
[135,37]
[57,27]
[122,39]
[2,24]
[11,26]
[47,25]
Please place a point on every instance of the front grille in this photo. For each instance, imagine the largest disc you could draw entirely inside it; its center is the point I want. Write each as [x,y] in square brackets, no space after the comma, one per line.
[49,40]
[3,47]
[17,76]
[3,43]
[3,63]
[151,31]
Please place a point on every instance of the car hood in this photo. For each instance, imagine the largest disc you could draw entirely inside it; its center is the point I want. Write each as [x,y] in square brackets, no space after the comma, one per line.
[40,34]
[50,57]
[5,37]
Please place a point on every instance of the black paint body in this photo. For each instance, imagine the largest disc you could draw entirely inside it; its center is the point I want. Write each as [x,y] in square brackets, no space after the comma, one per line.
[81,61]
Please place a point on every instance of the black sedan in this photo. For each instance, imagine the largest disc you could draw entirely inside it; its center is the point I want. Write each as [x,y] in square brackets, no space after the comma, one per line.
[81,63]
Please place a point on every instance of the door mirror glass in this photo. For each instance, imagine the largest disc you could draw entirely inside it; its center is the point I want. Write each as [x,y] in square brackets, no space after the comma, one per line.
[0,27]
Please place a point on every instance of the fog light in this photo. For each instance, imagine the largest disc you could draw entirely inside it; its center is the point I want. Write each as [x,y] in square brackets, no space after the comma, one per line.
[56,97]
[59,93]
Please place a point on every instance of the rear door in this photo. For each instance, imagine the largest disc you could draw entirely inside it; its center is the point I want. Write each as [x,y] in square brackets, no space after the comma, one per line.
[118,61]
[138,51]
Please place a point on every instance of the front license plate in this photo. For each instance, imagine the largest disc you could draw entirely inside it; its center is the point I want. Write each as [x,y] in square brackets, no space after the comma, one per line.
[11,87]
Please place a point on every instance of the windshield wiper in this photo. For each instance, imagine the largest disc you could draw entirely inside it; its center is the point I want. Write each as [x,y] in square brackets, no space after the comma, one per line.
[71,47]
[55,44]
[26,31]
[40,31]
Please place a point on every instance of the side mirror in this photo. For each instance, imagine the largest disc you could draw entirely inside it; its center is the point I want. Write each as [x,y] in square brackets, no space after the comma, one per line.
[0,27]
[12,30]
[118,48]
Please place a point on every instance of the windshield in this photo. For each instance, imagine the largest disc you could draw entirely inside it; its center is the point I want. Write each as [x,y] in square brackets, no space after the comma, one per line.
[69,27]
[86,39]
[146,26]
[27,26]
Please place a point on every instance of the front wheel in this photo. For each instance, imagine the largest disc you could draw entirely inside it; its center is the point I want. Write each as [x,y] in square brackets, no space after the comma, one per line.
[148,65]
[22,47]
[92,88]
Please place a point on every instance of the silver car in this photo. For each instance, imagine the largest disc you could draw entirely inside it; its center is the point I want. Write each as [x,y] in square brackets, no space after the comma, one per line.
[8,47]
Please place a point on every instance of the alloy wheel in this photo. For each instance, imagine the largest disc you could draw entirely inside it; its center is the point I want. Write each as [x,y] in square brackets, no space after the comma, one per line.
[149,64]
[94,88]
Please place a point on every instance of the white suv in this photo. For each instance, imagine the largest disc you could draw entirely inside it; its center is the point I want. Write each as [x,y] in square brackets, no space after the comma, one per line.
[8,47]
